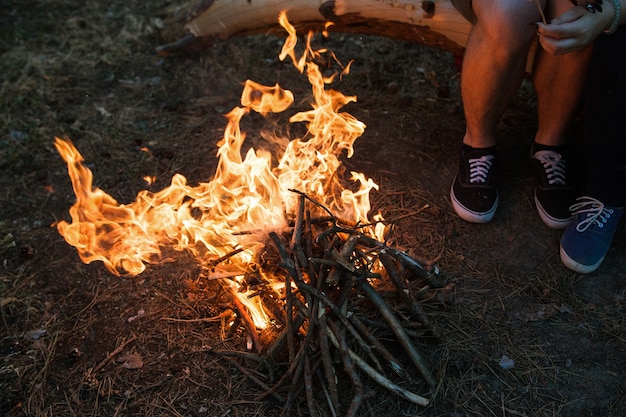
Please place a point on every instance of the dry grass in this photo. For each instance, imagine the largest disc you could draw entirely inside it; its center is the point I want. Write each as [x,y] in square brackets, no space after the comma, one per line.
[87,70]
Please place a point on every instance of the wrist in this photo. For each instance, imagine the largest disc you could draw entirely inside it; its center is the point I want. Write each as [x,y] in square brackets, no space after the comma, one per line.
[617,16]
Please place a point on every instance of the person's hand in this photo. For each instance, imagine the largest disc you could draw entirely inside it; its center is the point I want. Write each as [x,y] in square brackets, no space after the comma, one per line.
[574,29]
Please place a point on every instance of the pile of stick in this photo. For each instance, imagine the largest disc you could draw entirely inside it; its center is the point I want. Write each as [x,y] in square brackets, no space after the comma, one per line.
[331,314]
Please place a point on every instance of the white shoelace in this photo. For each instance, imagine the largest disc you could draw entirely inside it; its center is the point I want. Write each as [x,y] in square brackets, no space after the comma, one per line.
[479,168]
[554,165]
[597,213]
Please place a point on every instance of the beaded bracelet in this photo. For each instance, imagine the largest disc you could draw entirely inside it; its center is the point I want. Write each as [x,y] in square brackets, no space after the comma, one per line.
[615,23]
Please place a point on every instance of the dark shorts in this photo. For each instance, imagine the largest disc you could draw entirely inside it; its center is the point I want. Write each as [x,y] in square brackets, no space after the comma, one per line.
[605,130]
[465,8]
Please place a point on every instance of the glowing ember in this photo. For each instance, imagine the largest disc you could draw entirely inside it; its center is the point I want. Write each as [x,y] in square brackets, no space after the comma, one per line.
[213,219]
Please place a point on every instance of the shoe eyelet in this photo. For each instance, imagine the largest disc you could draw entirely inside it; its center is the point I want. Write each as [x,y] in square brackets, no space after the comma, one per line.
[601,225]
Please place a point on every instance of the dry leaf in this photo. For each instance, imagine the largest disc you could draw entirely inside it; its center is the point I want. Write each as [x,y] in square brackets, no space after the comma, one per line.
[130,361]
[537,312]
[34,334]
[8,300]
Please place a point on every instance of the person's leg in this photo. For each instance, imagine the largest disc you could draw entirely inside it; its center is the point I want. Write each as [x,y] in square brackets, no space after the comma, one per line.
[588,238]
[493,68]
[494,63]
[559,82]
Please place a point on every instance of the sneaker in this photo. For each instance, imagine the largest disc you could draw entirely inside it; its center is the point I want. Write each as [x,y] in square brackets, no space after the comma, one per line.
[554,190]
[474,194]
[586,241]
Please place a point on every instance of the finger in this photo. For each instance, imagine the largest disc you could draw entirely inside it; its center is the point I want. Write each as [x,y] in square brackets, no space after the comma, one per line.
[552,31]
[559,46]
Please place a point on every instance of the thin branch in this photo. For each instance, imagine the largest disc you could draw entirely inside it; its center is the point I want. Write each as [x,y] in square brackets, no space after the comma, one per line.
[543,16]
[247,321]
[399,331]
[380,379]
[111,355]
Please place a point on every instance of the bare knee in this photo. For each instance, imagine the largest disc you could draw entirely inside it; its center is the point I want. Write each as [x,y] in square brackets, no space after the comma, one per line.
[505,24]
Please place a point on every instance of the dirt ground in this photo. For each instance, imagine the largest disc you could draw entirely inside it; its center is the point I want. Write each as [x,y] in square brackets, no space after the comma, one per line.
[521,335]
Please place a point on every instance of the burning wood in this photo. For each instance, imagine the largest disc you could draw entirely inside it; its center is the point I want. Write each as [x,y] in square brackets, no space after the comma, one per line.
[274,239]
[328,270]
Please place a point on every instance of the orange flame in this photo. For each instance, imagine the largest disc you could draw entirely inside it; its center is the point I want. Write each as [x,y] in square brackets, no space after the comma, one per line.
[245,194]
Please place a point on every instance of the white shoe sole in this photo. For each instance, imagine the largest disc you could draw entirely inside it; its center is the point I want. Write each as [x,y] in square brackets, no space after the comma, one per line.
[577,266]
[551,222]
[472,216]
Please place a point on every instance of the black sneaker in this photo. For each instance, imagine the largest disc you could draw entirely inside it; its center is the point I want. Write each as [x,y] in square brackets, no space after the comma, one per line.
[474,194]
[554,189]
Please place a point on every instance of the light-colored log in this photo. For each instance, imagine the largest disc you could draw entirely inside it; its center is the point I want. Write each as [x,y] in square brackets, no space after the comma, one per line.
[435,23]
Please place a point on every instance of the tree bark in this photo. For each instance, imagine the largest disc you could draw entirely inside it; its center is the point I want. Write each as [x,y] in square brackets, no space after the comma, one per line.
[432,23]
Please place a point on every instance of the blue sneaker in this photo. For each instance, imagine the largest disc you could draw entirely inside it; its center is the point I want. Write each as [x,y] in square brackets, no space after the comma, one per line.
[588,238]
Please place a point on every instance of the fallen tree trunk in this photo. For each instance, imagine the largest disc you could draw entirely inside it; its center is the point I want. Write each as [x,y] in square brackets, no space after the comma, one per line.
[432,23]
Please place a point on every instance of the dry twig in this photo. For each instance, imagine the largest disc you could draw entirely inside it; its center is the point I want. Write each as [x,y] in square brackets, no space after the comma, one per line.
[326,270]
[111,355]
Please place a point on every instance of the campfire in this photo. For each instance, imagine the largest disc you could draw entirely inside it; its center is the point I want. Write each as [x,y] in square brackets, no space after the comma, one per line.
[311,276]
